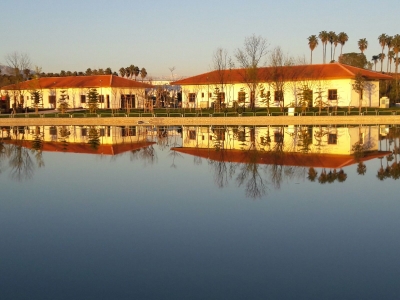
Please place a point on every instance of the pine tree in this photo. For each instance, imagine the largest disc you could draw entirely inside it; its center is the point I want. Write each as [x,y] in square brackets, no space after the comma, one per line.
[93,100]
[63,102]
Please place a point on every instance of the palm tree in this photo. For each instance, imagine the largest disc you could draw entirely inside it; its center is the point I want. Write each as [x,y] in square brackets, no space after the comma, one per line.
[332,37]
[396,50]
[381,57]
[375,59]
[390,59]
[342,39]
[143,73]
[122,72]
[136,72]
[313,43]
[362,45]
[382,41]
[128,72]
[131,70]
[324,37]
[388,41]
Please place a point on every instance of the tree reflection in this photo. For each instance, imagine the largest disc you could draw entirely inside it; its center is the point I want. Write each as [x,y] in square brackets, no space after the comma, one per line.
[94,137]
[312,174]
[37,146]
[21,163]
[249,174]
[64,133]
[359,149]
[147,155]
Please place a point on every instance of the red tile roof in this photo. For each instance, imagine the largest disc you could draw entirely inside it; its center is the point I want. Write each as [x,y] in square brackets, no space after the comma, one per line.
[287,73]
[328,161]
[94,81]
[84,148]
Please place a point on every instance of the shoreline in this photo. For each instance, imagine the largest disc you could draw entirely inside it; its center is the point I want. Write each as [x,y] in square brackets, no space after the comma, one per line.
[259,120]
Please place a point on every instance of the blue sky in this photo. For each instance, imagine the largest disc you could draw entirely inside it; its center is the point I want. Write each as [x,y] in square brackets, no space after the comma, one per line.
[76,35]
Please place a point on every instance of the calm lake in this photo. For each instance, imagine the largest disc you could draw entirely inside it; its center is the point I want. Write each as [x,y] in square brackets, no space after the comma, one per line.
[200,212]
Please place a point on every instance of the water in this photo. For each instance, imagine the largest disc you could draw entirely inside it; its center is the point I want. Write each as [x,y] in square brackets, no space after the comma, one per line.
[152,223]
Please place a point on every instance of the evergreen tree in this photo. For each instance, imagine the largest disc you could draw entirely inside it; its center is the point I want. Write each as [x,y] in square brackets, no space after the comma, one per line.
[93,100]
[63,102]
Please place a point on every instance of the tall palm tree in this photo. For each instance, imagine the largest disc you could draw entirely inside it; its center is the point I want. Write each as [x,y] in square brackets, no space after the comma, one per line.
[375,59]
[382,41]
[324,37]
[389,46]
[136,72]
[313,43]
[131,70]
[342,39]
[396,50]
[143,73]
[332,37]
[381,58]
[335,43]
[390,59]
[362,45]
[128,72]
[122,72]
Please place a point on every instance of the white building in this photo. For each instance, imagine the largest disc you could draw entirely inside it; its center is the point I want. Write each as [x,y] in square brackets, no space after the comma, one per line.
[114,92]
[286,86]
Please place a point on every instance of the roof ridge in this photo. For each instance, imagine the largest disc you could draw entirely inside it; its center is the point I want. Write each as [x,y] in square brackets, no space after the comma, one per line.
[344,68]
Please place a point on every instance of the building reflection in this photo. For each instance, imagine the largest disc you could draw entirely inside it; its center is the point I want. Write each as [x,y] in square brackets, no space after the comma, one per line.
[256,158]
[262,157]
[23,146]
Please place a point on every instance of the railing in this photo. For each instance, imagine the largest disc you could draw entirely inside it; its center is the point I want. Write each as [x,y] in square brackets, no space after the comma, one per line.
[202,115]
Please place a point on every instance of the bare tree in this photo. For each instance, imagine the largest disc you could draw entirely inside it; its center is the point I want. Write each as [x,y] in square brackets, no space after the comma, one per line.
[18,63]
[250,59]
[223,65]
[277,74]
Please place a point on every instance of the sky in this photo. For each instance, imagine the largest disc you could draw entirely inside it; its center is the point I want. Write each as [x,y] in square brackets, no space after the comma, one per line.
[159,35]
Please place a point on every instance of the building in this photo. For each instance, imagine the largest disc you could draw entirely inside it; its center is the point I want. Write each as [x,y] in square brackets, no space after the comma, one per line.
[284,86]
[114,92]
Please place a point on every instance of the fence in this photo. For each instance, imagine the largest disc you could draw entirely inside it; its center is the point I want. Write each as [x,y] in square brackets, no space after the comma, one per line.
[197,114]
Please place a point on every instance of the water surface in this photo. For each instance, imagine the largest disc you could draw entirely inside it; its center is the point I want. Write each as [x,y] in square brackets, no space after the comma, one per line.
[156,223]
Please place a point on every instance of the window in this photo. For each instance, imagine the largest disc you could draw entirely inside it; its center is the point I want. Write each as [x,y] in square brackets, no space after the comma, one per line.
[278,96]
[128,131]
[219,134]
[102,132]
[241,135]
[209,95]
[101,98]
[83,98]
[192,134]
[53,130]
[192,97]
[278,137]
[84,131]
[202,95]
[332,139]
[242,97]
[52,99]
[332,94]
